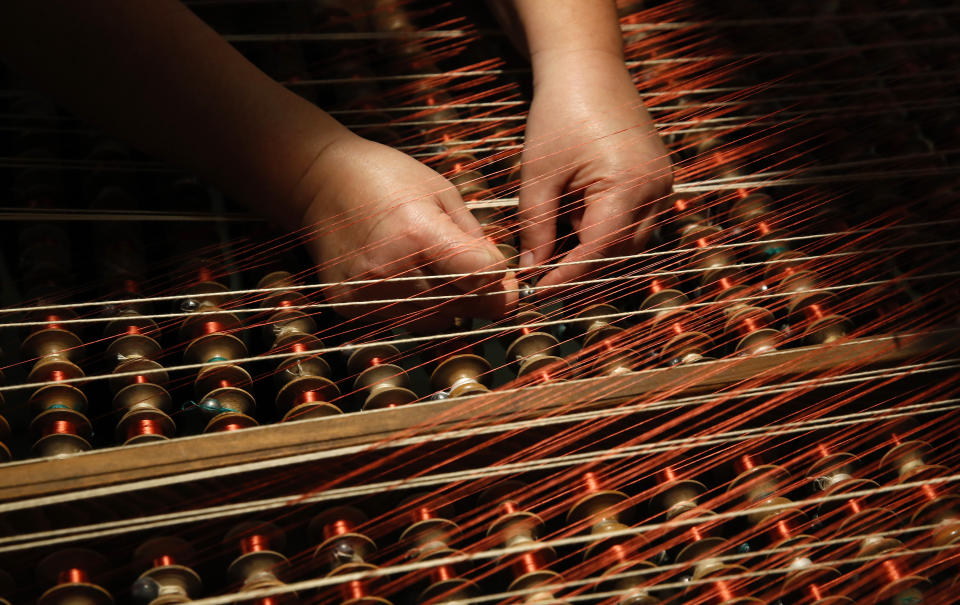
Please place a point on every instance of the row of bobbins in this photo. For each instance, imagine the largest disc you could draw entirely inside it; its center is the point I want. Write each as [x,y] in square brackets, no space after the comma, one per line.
[60,408]
[222,387]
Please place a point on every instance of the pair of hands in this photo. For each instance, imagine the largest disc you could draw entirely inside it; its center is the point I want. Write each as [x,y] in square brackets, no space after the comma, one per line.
[375,214]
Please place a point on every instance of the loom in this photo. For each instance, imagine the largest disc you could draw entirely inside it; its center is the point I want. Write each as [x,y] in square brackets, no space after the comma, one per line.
[759,408]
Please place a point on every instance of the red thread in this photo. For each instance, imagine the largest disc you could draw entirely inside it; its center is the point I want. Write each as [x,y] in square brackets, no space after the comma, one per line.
[746,462]
[224,384]
[590,480]
[212,327]
[677,327]
[442,573]
[527,563]
[231,427]
[823,450]
[144,426]
[724,590]
[813,312]
[60,427]
[814,592]
[163,561]
[355,590]
[655,287]
[422,513]
[509,507]
[892,572]
[52,321]
[140,379]
[929,492]
[254,543]
[375,361]
[57,375]
[204,274]
[669,475]
[73,575]
[337,528]
[695,534]
[308,397]
[299,347]
[854,506]
[763,228]
[133,330]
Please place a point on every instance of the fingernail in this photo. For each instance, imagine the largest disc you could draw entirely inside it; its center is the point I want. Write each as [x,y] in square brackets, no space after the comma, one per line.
[526,259]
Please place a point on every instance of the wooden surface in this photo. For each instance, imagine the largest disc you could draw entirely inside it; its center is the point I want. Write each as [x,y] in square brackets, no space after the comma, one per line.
[286,444]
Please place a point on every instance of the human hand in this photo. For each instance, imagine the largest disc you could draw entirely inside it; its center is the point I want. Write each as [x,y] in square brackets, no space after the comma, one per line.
[588,134]
[374,213]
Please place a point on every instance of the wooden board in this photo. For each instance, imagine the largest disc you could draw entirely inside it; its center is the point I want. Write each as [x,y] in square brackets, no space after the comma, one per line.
[286,444]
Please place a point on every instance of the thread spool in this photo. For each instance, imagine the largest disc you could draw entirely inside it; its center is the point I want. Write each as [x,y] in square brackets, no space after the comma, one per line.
[53,340]
[699,547]
[751,208]
[594,325]
[69,574]
[534,352]
[306,390]
[900,585]
[260,563]
[166,562]
[812,313]
[129,334]
[908,460]
[382,384]
[632,581]
[62,432]
[676,496]
[226,422]
[140,391]
[342,546]
[603,510]
[616,361]
[813,584]
[223,389]
[684,343]
[462,375]
[144,426]
[429,531]
[749,328]
[710,262]
[689,213]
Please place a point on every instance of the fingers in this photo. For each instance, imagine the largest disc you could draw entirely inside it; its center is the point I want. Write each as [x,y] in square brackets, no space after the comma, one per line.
[607,223]
[458,212]
[537,216]
[480,267]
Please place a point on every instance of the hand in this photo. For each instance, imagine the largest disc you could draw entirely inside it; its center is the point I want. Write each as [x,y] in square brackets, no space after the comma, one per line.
[374,213]
[588,134]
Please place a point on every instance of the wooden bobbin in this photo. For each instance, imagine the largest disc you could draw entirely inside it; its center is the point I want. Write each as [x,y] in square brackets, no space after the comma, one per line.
[748,328]
[53,341]
[166,561]
[812,313]
[381,383]
[340,543]
[593,325]
[676,496]
[536,352]
[722,592]
[604,510]
[130,337]
[684,343]
[807,584]
[908,461]
[205,294]
[688,213]
[140,391]
[224,389]
[214,348]
[632,581]
[901,585]
[143,426]
[616,361]
[831,469]
[286,326]
[260,563]
[230,421]
[462,375]
[700,546]
[942,511]
[430,532]
[69,572]
[63,432]
[752,208]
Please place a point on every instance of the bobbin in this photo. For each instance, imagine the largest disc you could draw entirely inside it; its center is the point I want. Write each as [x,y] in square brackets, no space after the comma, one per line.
[710,262]
[591,325]
[215,347]
[166,561]
[382,383]
[260,563]
[223,388]
[604,510]
[462,375]
[685,344]
[287,326]
[811,312]
[53,341]
[140,391]
[535,351]
[128,332]
[751,208]
[831,469]
[806,584]
[675,496]
[229,421]
[689,213]
[700,547]
[633,585]
[281,298]
[720,592]
[143,426]
[429,530]
[616,361]
[908,460]
[749,328]
[902,587]
[62,432]
[205,294]
[942,511]
[340,544]
[69,571]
